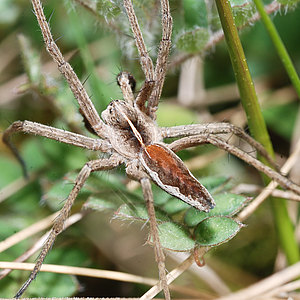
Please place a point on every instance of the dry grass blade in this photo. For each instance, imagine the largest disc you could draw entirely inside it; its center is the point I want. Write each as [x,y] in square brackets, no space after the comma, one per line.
[23,234]
[96,273]
[244,188]
[15,186]
[27,232]
[206,274]
[292,286]
[266,284]
[170,278]
[113,275]
[271,186]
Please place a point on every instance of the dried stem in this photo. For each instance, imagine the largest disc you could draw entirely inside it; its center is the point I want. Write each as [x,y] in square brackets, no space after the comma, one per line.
[27,232]
[244,188]
[17,185]
[113,275]
[271,186]
[97,273]
[266,284]
[292,286]
[40,243]
[170,278]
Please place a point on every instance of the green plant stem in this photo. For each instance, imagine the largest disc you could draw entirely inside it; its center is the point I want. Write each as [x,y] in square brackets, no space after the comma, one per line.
[245,84]
[281,50]
[256,122]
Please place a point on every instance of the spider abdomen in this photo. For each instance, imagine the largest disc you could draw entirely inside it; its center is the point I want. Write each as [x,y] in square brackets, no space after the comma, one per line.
[168,171]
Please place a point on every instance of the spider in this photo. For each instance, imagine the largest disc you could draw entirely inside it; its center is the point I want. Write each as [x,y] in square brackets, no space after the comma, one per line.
[127,131]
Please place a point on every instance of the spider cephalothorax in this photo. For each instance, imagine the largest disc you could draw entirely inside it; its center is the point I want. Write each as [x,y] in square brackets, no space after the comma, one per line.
[123,139]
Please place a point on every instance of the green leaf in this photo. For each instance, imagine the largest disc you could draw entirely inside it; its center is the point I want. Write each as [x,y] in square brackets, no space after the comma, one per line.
[98,203]
[175,237]
[174,206]
[282,118]
[107,9]
[31,60]
[227,204]
[59,285]
[33,154]
[288,2]
[216,230]
[9,12]
[195,13]
[213,182]
[110,183]
[57,194]
[160,197]
[101,187]
[242,11]
[52,285]
[171,115]
[11,170]
[193,41]
[139,212]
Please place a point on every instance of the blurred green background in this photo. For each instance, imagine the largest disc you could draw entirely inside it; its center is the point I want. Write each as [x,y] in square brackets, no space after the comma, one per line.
[98,45]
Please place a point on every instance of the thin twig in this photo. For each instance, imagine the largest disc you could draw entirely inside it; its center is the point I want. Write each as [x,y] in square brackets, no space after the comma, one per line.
[170,278]
[15,186]
[271,186]
[47,222]
[96,273]
[27,232]
[245,188]
[292,286]
[266,284]
[113,275]
[206,274]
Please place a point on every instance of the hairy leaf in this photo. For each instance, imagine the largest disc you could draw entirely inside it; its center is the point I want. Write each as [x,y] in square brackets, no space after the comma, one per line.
[216,230]
[227,204]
